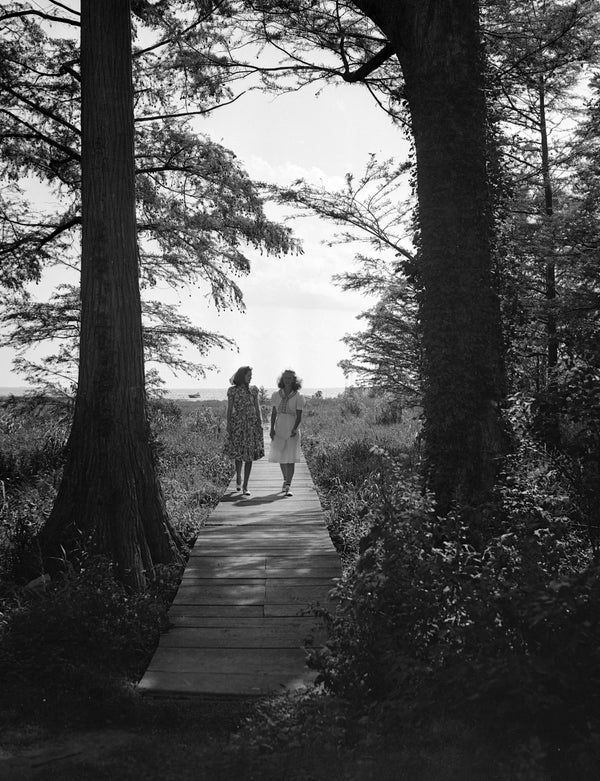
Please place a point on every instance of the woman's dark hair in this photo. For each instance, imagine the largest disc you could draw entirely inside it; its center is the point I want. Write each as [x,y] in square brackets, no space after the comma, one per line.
[296,384]
[239,378]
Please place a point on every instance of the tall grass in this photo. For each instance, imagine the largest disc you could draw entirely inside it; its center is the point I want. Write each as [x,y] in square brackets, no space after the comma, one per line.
[346,442]
[188,442]
[33,435]
[358,416]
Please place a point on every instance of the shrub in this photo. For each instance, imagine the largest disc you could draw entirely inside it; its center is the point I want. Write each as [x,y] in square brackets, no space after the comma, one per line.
[428,623]
[82,632]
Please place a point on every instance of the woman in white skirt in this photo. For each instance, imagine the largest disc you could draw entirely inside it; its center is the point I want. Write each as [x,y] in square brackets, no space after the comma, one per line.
[287,405]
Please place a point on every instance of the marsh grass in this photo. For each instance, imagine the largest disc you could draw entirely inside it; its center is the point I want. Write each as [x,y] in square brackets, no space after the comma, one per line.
[188,441]
[347,442]
[359,416]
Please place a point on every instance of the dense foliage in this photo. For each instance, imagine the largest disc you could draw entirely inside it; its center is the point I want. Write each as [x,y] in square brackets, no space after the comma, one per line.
[496,623]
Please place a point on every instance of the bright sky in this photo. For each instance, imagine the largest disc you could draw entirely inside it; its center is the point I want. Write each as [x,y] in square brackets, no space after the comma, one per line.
[295,316]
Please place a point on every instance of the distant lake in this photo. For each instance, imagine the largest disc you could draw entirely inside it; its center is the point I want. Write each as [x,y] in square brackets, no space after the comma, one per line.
[218,394]
[206,394]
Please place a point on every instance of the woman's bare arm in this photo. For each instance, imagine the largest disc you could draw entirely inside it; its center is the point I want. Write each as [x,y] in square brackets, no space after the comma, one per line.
[297,422]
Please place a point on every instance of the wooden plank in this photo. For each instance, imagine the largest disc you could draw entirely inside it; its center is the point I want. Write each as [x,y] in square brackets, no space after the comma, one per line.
[219,586]
[301,624]
[295,609]
[201,573]
[179,611]
[228,660]
[279,635]
[260,546]
[268,524]
[226,594]
[266,533]
[204,572]
[238,684]
[199,579]
[232,556]
[277,594]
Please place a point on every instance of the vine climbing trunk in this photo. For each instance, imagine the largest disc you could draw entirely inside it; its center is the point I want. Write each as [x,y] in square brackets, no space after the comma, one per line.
[109,499]
[439,48]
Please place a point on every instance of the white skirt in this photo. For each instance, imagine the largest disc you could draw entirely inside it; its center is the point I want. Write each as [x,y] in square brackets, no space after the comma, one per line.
[285,449]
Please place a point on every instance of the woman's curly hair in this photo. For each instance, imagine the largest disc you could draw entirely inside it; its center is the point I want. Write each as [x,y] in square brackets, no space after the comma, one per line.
[239,378]
[296,384]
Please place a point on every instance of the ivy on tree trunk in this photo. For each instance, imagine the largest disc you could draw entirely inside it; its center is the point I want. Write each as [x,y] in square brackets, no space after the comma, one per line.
[440,51]
[109,499]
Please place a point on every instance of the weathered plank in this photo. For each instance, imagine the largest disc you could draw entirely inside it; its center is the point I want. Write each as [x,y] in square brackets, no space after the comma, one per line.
[223,684]
[278,633]
[229,660]
[221,594]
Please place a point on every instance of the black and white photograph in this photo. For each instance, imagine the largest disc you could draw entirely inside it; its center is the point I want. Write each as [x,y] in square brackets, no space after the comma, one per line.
[300,390]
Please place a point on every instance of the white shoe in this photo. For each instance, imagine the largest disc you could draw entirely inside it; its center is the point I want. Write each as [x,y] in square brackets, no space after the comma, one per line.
[288,491]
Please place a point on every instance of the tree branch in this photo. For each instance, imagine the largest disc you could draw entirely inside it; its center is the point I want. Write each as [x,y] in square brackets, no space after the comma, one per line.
[43,111]
[65,7]
[71,153]
[368,67]
[190,113]
[187,29]
[42,15]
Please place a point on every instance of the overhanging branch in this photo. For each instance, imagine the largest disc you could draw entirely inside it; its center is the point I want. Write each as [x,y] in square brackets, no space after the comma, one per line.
[368,67]
[189,113]
[41,15]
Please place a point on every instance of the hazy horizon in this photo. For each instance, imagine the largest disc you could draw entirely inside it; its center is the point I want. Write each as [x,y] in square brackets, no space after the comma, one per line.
[205,393]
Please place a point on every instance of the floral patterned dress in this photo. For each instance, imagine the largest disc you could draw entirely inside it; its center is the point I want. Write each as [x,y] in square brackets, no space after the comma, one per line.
[244,440]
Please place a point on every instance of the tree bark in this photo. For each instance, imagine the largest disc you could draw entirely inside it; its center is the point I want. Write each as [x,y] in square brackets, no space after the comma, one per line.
[109,499]
[439,48]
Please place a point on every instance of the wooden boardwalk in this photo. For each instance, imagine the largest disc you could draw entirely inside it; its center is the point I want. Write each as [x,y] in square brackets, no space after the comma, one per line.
[241,617]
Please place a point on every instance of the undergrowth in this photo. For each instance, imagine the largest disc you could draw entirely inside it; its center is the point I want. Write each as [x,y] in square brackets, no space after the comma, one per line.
[495,623]
[457,651]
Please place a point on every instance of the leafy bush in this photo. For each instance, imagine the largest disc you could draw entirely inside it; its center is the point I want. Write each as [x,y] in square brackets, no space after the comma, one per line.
[163,413]
[79,635]
[429,623]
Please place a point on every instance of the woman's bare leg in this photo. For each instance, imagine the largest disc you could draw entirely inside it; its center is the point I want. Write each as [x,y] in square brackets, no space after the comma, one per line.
[284,473]
[247,470]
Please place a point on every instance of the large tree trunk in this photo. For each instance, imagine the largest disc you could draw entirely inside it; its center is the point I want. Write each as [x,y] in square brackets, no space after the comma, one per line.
[439,48]
[109,500]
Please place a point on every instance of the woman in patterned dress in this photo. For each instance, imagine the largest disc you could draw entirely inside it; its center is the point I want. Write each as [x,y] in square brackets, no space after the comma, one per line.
[244,441]
[286,413]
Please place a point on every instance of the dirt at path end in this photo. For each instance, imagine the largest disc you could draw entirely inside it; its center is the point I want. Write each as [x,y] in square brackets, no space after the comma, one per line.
[59,757]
